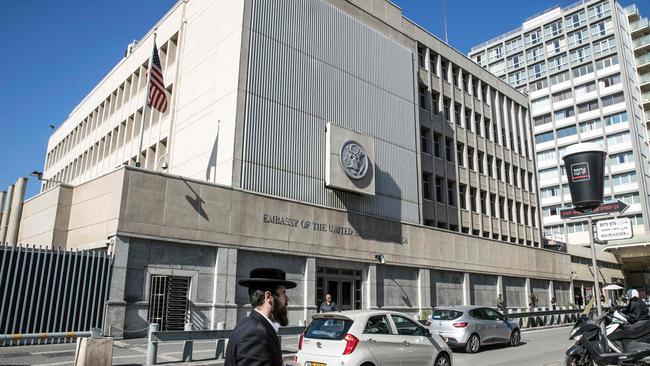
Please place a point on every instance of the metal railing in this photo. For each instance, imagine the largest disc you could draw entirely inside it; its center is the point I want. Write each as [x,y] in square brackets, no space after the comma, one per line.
[641,42]
[188,336]
[51,291]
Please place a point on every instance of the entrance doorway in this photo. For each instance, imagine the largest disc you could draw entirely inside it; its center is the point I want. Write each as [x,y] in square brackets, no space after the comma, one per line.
[343,284]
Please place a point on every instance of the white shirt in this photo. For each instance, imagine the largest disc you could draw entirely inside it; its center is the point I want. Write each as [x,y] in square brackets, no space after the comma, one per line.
[275,325]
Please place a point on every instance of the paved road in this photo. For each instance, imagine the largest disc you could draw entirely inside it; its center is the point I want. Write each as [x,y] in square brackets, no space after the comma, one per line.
[541,348]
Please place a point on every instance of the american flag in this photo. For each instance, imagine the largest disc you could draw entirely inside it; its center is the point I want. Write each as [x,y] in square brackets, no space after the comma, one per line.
[157,93]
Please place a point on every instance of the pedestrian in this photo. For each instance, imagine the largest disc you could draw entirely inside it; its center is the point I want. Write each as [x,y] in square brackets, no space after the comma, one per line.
[636,308]
[533,301]
[501,306]
[553,302]
[254,341]
[327,305]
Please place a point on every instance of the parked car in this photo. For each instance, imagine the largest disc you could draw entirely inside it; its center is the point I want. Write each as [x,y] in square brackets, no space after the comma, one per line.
[370,338]
[471,327]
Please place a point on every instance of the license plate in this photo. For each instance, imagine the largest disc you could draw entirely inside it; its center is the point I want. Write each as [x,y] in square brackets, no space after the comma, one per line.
[315,364]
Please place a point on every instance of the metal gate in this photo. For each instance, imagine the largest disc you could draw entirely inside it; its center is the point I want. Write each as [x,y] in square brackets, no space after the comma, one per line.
[168,301]
[52,290]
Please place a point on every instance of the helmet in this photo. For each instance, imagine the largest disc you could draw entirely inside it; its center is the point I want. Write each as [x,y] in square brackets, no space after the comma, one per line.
[631,293]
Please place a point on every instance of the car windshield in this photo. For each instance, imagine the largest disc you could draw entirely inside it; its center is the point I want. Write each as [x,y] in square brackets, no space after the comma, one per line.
[446,314]
[323,328]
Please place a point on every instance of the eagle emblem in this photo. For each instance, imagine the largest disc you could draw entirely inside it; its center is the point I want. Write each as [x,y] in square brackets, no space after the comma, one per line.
[353,159]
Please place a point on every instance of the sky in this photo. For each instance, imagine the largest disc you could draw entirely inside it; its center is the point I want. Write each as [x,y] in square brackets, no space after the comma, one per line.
[57,51]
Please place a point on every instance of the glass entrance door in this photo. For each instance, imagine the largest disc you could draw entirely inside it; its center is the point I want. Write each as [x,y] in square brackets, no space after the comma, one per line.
[344,286]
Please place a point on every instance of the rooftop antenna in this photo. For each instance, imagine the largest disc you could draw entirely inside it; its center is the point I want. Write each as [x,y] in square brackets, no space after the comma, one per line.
[444,19]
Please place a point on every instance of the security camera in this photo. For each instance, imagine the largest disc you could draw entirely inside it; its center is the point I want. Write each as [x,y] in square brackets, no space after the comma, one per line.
[380,258]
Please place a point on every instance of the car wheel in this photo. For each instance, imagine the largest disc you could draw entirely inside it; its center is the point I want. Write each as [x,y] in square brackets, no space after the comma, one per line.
[442,360]
[515,338]
[473,344]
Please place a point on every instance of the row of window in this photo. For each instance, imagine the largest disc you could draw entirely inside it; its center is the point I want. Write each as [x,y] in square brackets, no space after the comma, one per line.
[479,200]
[551,30]
[555,231]
[616,179]
[484,233]
[121,96]
[451,73]
[482,126]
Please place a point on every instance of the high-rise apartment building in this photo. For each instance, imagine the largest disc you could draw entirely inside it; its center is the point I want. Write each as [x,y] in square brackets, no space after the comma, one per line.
[578,66]
[640,33]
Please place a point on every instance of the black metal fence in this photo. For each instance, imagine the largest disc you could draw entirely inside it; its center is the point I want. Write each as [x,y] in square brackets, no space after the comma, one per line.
[51,291]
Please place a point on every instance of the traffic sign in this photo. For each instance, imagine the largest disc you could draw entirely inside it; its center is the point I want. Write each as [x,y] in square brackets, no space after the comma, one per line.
[614,229]
[605,208]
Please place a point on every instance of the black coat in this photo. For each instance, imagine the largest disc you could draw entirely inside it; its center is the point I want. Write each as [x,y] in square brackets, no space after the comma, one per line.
[253,343]
[636,310]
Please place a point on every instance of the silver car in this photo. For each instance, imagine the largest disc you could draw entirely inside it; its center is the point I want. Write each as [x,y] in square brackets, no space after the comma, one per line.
[370,338]
[471,327]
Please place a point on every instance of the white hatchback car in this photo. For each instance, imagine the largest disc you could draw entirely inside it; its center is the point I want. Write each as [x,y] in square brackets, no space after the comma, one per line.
[370,338]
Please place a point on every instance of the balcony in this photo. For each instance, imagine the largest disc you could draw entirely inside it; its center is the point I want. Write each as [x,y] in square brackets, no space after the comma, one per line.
[647,116]
[641,42]
[645,97]
[643,60]
[632,12]
[639,24]
[644,79]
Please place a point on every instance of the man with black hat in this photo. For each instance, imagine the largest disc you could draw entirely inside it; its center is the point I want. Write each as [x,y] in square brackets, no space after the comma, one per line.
[254,341]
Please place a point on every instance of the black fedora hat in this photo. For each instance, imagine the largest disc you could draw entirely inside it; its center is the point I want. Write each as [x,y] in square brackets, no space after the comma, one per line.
[263,277]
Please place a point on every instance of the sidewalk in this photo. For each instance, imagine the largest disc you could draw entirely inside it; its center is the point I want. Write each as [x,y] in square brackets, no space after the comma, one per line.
[125,352]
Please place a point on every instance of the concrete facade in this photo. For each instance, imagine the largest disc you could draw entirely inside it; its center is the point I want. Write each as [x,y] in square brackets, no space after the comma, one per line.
[170,225]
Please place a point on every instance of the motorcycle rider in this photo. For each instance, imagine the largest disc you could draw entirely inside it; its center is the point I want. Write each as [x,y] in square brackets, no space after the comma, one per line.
[636,309]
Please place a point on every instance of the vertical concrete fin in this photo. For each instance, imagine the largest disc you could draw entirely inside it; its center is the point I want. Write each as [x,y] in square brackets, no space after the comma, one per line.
[16,210]
[3,194]
[6,211]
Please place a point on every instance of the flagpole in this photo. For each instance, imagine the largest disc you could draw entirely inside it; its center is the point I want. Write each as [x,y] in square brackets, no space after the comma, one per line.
[144,109]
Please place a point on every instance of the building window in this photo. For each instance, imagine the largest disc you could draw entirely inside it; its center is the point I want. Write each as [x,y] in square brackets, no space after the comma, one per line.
[462,198]
[472,199]
[449,149]
[544,137]
[450,193]
[542,120]
[423,96]
[499,177]
[507,171]
[470,158]
[486,125]
[567,132]
[426,185]
[481,157]
[424,140]
[446,105]
[493,205]
[459,154]
[457,109]
[588,106]
[490,160]
[484,202]
[436,145]
[612,99]
[608,81]
[615,119]
[439,192]
[435,102]
[502,207]
[421,55]
[565,113]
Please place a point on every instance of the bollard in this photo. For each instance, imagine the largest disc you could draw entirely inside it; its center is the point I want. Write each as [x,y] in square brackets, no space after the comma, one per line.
[152,347]
[188,345]
[220,352]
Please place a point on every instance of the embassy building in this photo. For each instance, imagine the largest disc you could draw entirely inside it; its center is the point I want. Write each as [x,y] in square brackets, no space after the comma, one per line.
[336,140]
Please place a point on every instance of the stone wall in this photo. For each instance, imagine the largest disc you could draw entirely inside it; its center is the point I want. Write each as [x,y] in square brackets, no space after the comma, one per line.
[483,289]
[446,288]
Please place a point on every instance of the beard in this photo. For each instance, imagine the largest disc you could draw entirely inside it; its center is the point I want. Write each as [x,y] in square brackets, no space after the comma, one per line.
[279,313]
